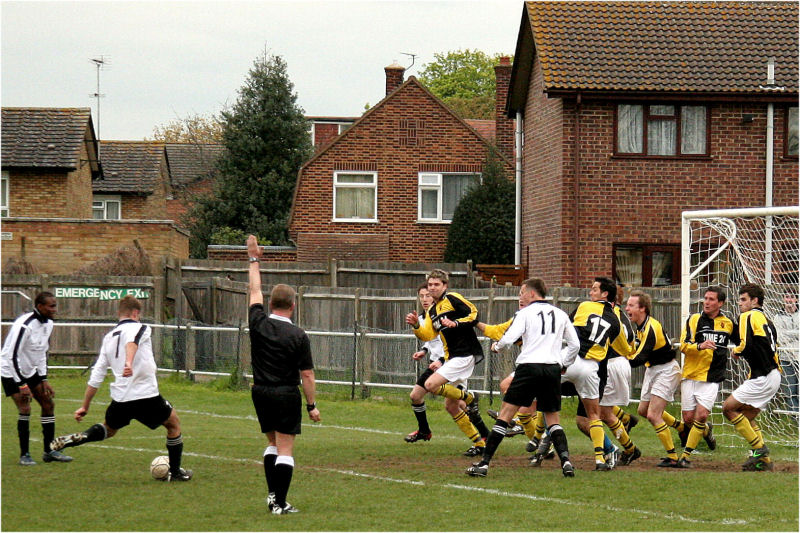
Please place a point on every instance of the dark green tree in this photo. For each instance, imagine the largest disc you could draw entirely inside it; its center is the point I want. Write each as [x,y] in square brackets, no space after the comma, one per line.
[464,80]
[483,223]
[266,139]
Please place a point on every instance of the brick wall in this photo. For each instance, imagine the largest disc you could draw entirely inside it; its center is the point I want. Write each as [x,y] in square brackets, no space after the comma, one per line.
[635,200]
[62,246]
[442,144]
[350,247]
[182,198]
[504,126]
[324,133]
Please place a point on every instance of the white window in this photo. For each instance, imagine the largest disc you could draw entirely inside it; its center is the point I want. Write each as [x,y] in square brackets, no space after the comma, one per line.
[440,193]
[791,132]
[355,196]
[4,195]
[106,207]
[662,130]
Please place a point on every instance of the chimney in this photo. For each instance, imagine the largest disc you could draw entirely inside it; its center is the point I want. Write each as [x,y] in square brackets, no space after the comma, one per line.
[394,76]
[504,126]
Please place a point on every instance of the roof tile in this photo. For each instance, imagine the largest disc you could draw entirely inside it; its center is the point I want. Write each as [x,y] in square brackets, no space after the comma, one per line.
[43,137]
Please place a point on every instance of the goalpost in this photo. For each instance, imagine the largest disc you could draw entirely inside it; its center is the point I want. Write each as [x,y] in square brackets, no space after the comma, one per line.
[731,247]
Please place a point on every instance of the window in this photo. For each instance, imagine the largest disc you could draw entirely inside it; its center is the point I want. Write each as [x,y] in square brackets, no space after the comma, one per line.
[791,132]
[344,126]
[647,265]
[4,195]
[662,130]
[355,196]
[439,194]
[106,207]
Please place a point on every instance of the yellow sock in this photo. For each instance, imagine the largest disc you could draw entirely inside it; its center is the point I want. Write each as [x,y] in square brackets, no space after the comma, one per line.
[743,428]
[672,421]
[539,425]
[621,435]
[466,427]
[695,434]
[597,436]
[526,421]
[454,393]
[665,437]
[621,415]
[757,429]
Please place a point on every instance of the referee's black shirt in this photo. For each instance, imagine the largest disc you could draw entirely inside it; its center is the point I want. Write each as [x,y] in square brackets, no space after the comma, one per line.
[279,349]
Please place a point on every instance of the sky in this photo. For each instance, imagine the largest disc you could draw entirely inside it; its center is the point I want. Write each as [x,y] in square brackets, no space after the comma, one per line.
[170,60]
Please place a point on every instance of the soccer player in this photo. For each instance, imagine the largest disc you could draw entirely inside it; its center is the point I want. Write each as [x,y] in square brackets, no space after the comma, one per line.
[704,344]
[281,356]
[663,373]
[452,317]
[597,326]
[757,345]
[23,366]
[435,352]
[542,327]
[128,351]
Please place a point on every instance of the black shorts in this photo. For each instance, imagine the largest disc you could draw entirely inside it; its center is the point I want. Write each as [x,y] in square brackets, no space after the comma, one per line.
[10,386]
[278,408]
[535,381]
[152,412]
[424,377]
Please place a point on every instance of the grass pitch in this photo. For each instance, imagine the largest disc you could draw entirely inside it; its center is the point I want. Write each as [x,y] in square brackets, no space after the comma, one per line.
[354,473]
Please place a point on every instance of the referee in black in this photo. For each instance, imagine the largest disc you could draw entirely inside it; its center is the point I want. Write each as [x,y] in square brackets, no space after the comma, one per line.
[281,356]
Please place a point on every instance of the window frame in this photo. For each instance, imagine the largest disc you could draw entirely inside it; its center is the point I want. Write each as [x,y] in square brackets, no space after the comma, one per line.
[106,199]
[374,186]
[647,260]
[676,117]
[786,112]
[439,187]
[4,195]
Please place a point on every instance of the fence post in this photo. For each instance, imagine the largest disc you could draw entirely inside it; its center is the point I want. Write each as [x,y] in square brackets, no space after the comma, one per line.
[190,350]
[470,275]
[333,269]
[487,375]
[44,280]
[301,291]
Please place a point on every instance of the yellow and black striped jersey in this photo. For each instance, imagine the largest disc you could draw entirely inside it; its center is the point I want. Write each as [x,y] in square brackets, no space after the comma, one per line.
[706,365]
[654,346]
[597,325]
[624,344]
[496,331]
[459,341]
[757,342]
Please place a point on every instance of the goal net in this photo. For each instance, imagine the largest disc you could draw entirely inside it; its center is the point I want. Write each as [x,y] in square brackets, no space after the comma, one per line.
[730,248]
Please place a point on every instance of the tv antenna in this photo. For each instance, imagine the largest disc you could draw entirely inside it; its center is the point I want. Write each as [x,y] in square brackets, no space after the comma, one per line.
[412,56]
[103,62]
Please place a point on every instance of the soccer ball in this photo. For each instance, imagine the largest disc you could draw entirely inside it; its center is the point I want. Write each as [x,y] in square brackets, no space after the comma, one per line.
[159,468]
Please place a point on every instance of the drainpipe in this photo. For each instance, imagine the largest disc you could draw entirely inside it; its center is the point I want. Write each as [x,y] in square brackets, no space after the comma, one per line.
[576,191]
[770,149]
[518,191]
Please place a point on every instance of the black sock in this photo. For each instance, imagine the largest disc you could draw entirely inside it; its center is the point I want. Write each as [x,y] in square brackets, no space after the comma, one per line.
[24,432]
[95,433]
[495,438]
[282,479]
[477,421]
[559,439]
[175,451]
[269,471]
[422,417]
[48,431]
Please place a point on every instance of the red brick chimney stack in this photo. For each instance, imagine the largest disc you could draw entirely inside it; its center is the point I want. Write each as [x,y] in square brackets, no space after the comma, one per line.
[394,76]
[504,127]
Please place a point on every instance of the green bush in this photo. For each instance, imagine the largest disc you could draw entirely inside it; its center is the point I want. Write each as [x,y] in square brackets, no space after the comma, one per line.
[232,236]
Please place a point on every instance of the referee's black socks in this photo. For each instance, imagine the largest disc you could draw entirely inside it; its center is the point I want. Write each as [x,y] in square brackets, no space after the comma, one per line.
[270,454]
[284,468]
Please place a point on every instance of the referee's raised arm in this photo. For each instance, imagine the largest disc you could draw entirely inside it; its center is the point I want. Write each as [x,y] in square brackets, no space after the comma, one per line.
[254,273]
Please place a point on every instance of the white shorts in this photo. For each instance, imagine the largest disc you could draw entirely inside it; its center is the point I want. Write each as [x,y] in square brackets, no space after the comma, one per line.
[583,374]
[618,383]
[695,392]
[458,370]
[759,391]
[662,381]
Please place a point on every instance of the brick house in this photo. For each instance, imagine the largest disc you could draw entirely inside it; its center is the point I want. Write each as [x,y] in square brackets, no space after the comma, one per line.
[49,169]
[323,130]
[386,188]
[192,172]
[135,182]
[636,111]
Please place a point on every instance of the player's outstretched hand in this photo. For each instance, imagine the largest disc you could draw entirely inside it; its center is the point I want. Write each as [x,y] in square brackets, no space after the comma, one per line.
[494,347]
[80,412]
[446,322]
[253,250]
[419,355]
[412,318]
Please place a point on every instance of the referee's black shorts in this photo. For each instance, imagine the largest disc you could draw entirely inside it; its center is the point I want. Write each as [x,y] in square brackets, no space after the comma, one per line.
[278,408]
[536,381]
